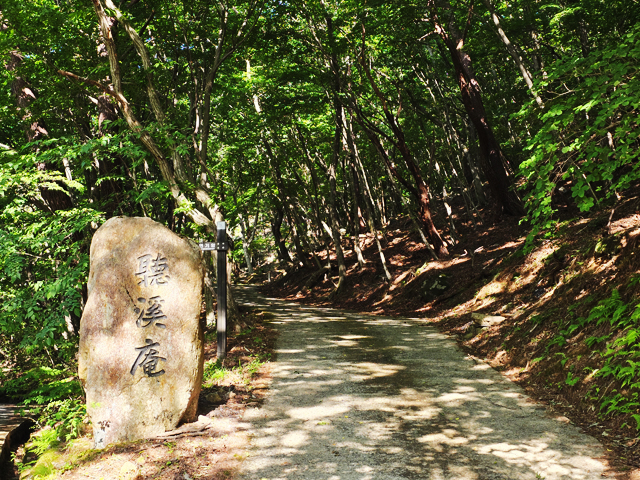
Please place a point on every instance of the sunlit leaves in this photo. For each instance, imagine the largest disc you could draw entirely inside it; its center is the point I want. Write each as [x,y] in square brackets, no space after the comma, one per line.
[590,133]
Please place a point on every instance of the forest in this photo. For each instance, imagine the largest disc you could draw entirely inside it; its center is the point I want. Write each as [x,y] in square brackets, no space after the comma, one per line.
[307,126]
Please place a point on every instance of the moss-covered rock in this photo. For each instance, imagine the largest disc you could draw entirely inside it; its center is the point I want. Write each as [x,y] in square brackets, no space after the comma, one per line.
[434,286]
[58,459]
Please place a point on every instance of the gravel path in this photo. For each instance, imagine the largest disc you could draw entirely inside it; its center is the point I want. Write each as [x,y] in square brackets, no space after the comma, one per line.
[364,397]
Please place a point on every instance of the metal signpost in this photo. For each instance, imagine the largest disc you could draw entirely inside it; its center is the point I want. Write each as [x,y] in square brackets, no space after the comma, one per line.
[221,246]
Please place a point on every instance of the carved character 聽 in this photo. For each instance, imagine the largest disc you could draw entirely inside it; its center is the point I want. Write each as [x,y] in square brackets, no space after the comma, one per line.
[153,271]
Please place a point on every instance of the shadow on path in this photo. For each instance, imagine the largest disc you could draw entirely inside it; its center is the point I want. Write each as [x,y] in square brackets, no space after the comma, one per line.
[363,397]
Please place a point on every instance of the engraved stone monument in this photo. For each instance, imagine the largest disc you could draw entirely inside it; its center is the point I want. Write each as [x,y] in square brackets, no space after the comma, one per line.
[141,341]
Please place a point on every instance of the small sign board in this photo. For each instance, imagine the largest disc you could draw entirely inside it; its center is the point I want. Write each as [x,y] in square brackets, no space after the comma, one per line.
[207,245]
[220,246]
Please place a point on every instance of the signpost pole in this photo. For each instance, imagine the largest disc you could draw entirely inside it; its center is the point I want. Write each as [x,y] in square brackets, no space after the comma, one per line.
[221,247]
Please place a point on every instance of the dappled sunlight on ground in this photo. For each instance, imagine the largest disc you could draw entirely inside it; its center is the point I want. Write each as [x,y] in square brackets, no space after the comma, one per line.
[357,397]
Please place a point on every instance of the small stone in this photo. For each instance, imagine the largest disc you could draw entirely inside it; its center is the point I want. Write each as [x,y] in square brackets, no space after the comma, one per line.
[487,320]
[204,419]
[129,471]
[213,397]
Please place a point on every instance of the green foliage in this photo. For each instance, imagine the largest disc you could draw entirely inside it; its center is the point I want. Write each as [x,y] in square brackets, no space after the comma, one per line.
[589,134]
[52,396]
[571,379]
[64,416]
[621,352]
[54,400]
[47,439]
[214,372]
[43,257]
[17,388]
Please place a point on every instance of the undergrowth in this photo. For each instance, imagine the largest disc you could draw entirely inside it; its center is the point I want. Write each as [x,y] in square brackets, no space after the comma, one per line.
[618,347]
[52,397]
[216,373]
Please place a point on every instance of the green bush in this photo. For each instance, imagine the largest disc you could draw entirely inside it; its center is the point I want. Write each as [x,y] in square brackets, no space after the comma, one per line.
[589,132]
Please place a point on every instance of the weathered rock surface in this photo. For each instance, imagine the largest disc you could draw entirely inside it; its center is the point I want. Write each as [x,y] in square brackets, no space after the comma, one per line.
[141,340]
[485,321]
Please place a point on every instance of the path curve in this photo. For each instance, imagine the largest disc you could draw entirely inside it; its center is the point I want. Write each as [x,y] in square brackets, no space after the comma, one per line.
[357,397]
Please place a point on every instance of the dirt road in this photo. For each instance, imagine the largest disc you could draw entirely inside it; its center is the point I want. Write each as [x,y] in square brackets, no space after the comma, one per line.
[357,397]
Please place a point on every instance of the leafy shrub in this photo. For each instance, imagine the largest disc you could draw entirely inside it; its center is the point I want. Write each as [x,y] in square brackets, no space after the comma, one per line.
[621,354]
[589,134]
[20,387]
[53,397]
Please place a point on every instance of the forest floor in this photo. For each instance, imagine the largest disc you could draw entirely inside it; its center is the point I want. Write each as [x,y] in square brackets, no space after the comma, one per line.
[529,300]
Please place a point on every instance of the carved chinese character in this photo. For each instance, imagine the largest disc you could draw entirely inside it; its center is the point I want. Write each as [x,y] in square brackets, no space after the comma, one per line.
[148,359]
[151,314]
[153,271]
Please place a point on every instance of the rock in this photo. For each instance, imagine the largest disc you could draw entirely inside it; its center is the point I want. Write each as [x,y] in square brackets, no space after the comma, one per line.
[141,340]
[470,330]
[433,287]
[213,398]
[487,320]
[130,471]
[204,420]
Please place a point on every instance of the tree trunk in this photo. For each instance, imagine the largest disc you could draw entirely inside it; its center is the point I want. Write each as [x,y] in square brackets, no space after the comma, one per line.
[513,52]
[355,189]
[55,198]
[333,214]
[276,224]
[494,161]
[421,190]
[245,245]
[371,222]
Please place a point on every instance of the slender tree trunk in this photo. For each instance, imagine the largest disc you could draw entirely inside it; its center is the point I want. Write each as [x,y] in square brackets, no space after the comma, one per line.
[421,190]
[335,155]
[287,208]
[209,289]
[513,52]
[319,220]
[55,198]
[494,161]
[245,245]
[471,156]
[276,224]
[371,221]
[333,214]
[355,189]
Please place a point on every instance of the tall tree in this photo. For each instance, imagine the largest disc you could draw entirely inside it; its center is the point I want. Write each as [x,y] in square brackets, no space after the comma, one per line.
[495,163]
